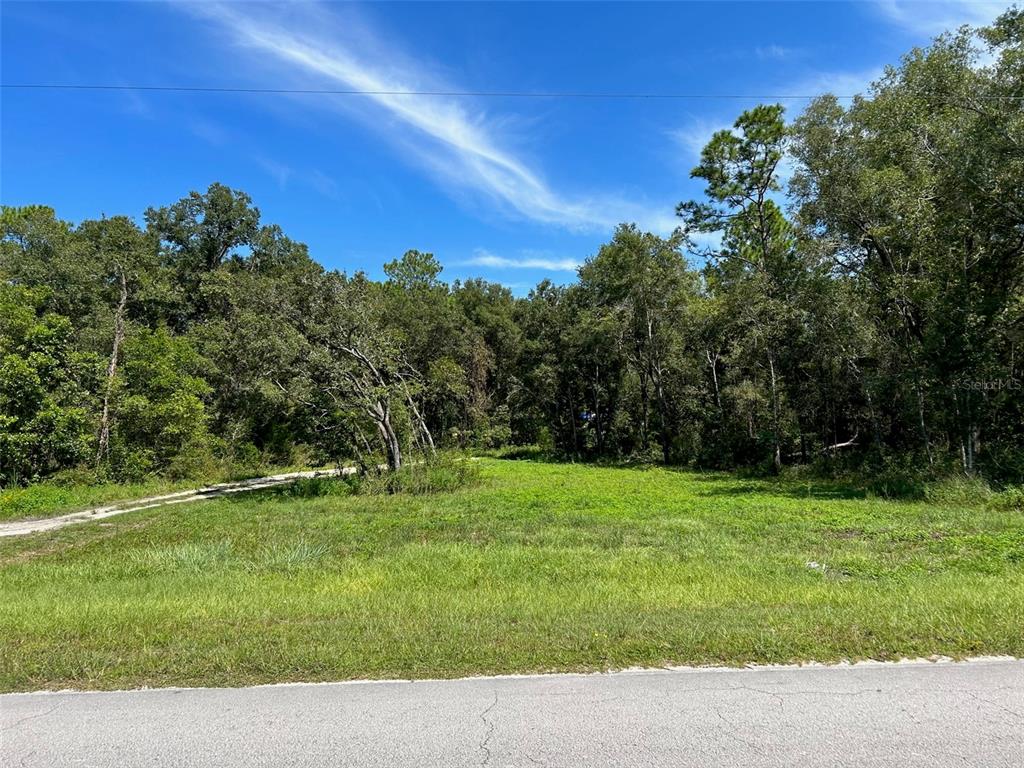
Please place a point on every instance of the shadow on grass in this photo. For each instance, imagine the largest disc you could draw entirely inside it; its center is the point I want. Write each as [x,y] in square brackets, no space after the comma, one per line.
[816,490]
[729,484]
[720,484]
[302,488]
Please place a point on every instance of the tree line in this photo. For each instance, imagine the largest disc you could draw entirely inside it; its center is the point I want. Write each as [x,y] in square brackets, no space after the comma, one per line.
[861,305]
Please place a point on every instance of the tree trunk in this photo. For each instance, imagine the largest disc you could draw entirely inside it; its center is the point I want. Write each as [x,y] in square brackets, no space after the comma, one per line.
[572,421]
[643,412]
[428,439]
[713,362]
[777,450]
[392,447]
[921,422]
[961,436]
[655,371]
[874,421]
[665,439]
[597,409]
[104,438]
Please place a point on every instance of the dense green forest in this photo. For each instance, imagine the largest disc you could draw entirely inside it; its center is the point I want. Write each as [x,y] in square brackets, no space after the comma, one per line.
[864,313]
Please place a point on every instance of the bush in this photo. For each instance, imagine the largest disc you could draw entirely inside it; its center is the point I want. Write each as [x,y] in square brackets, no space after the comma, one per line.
[958,490]
[1009,500]
[243,456]
[313,487]
[897,477]
[130,465]
[193,459]
[520,453]
[75,477]
[439,474]
[545,442]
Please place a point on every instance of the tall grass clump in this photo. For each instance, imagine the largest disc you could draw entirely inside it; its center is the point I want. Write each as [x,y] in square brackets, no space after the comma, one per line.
[1008,500]
[312,488]
[442,473]
[913,478]
[959,490]
[190,558]
[288,558]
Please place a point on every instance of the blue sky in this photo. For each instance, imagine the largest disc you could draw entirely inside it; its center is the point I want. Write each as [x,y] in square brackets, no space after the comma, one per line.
[509,188]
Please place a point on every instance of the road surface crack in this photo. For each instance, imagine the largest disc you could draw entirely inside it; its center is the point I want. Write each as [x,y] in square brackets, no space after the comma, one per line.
[25,719]
[732,731]
[489,732]
[995,704]
[778,697]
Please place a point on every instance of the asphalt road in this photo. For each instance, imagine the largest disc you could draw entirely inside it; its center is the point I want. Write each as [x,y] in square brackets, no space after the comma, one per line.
[936,715]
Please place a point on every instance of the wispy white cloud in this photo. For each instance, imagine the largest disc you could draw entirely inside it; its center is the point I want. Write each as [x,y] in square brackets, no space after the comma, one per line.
[136,106]
[929,19]
[775,52]
[463,148]
[839,83]
[208,131]
[280,172]
[693,136]
[324,184]
[483,258]
[707,241]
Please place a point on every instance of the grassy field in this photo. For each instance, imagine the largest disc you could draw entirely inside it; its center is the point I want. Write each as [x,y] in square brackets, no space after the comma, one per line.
[539,567]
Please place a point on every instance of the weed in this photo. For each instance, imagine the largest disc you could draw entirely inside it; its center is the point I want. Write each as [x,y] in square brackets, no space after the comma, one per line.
[288,558]
[194,557]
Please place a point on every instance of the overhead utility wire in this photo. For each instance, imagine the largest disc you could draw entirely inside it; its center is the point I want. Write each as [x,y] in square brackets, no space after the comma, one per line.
[485,94]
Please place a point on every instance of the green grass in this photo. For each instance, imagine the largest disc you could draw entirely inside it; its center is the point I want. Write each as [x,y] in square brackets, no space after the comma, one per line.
[537,567]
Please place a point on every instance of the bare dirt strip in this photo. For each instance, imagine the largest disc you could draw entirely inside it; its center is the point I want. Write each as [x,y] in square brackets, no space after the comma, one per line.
[25,527]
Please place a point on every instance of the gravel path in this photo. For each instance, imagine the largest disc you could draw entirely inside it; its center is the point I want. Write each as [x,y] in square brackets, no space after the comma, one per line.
[25,527]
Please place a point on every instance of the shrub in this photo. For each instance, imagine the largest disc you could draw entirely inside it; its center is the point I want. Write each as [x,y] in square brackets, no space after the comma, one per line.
[443,473]
[314,487]
[130,464]
[898,477]
[193,459]
[1009,500]
[958,490]
[75,477]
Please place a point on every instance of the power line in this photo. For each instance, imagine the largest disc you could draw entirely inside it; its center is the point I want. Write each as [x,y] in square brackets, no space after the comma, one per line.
[478,94]
[335,92]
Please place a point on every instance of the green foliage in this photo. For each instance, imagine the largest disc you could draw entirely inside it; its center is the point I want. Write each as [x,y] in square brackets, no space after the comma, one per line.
[959,490]
[920,191]
[1009,500]
[162,419]
[443,473]
[44,419]
[868,319]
